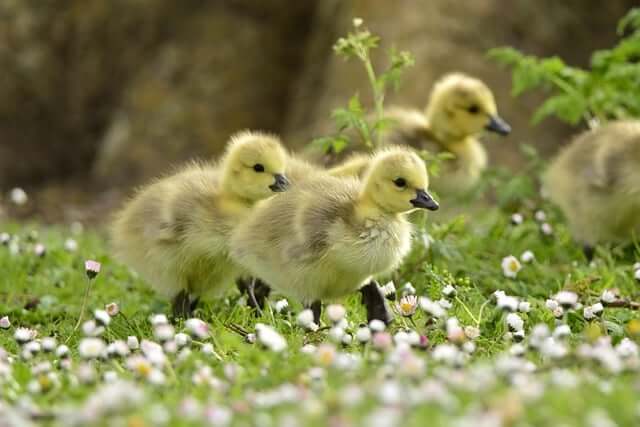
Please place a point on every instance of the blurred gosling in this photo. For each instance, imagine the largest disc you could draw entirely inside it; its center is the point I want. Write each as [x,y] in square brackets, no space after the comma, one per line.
[327,236]
[459,109]
[595,181]
[175,231]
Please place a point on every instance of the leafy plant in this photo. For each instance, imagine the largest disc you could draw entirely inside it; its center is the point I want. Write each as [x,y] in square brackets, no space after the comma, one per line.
[359,44]
[609,89]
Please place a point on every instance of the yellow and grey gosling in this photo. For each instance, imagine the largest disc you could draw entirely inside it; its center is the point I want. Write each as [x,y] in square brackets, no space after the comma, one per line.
[175,231]
[595,181]
[328,236]
[459,109]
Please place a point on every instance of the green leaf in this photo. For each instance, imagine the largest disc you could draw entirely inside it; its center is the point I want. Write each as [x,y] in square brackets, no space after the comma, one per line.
[631,21]
[566,107]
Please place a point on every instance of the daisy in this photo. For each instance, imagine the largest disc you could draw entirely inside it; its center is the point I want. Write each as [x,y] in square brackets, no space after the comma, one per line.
[510,266]
[48,344]
[407,305]
[335,312]
[164,333]
[517,219]
[197,328]
[449,291]
[70,245]
[432,308]
[281,305]
[472,332]
[91,348]
[270,338]
[92,268]
[524,307]
[408,289]
[18,196]
[377,325]
[527,257]
[325,354]
[546,229]
[24,335]
[608,296]
[112,309]
[102,317]
[5,323]
[382,341]
[182,340]
[132,342]
[566,299]
[158,319]
[514,322]
[389,290]
[305,319]
[363,334]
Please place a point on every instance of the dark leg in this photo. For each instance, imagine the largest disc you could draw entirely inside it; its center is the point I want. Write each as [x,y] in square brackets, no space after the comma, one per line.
[375,303]
[589,251]
[194,304]
[256,290]
[181,305]
[316,308]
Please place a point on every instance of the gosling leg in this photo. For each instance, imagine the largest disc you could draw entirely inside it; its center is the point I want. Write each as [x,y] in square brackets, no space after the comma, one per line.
[258,296]
[589,251]
[316,308]
[181,305]
[375,303]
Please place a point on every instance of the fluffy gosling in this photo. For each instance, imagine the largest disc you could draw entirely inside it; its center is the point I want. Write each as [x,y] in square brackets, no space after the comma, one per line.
[459,109]
[327,236]
[595,181]
[175,231]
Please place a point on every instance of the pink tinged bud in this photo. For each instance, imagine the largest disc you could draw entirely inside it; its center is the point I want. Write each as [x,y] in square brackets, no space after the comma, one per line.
[92,268]
[112,309]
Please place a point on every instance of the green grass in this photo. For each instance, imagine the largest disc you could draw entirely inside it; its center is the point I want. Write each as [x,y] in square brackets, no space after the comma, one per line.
[465,252]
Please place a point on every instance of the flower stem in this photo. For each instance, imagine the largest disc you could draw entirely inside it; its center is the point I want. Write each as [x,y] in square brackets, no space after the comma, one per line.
[83,307]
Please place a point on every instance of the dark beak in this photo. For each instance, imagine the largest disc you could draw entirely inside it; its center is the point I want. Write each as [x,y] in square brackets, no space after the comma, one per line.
[499,126]
[425,201]
[280,185]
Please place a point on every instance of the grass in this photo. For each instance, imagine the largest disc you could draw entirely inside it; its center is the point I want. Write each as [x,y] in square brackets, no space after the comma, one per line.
[356,385]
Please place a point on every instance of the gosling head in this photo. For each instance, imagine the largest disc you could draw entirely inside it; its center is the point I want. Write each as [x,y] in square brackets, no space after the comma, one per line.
[397,182]
[461,106]
[253,166]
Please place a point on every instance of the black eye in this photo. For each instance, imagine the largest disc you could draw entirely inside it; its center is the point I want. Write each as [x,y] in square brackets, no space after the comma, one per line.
[474,109]
[258,167]
[400,182]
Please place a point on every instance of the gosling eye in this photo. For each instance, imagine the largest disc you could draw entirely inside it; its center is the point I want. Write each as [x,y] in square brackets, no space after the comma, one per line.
[400,182]
[473,109]
[258,167]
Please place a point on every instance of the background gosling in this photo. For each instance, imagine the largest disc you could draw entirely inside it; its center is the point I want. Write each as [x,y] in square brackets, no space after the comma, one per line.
[459,109]
[595,181]
[175,231]
[327,236]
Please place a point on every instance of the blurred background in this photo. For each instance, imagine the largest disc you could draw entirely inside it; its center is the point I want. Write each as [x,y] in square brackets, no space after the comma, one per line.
[98,96]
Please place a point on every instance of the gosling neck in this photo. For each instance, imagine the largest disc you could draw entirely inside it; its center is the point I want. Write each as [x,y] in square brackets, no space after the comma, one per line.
[234,202]
[444,134]
[368,209]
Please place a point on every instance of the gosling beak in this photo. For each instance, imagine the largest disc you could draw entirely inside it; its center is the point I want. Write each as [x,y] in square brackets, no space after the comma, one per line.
[425,201]
[498,125]
[280,185]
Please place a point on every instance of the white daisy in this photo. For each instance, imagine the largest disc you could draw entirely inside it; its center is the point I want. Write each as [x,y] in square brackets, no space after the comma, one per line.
[510,266]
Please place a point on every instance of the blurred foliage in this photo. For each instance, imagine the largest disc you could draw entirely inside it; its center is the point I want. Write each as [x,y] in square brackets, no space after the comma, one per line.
[359,44]
[608,90]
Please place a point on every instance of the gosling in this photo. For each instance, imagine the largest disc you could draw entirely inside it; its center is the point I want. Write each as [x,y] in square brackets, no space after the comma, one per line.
[595,181]
[175,231]
[459,109]
[328,236]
